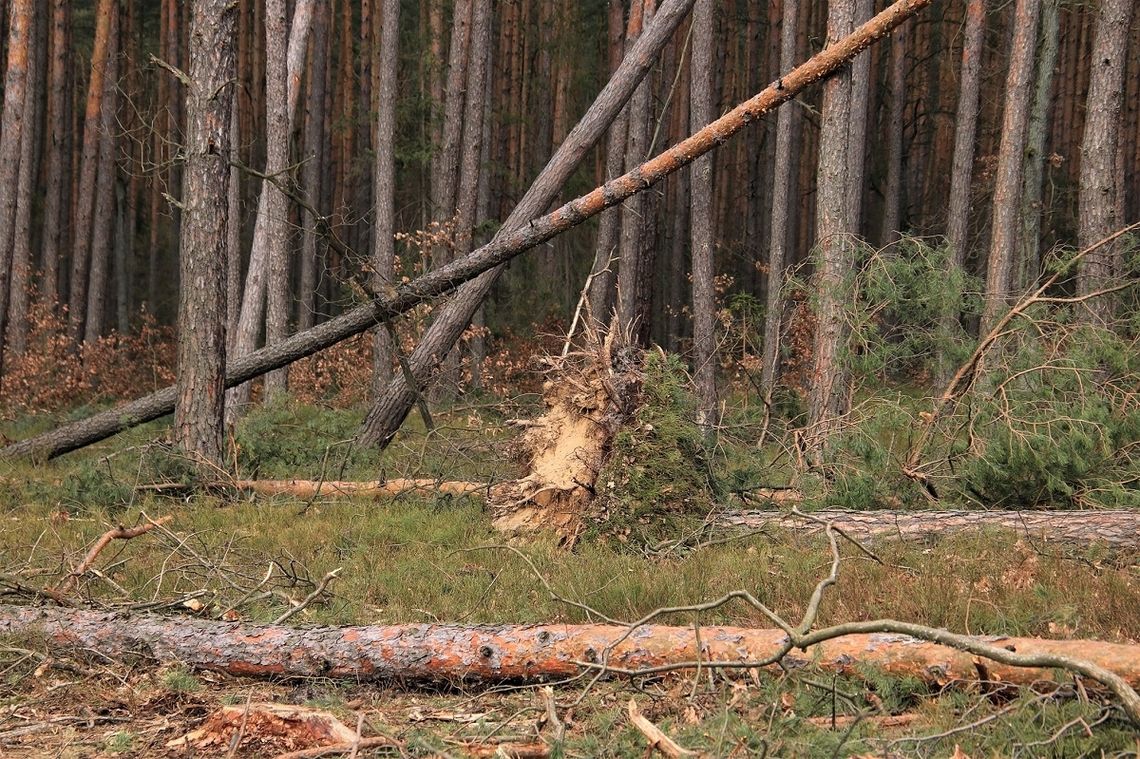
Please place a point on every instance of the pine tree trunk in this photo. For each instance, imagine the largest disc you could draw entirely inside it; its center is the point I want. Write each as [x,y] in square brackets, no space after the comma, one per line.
[701,188]
[384,179]
[961,175]
[602,273]
[199,417]
[13,122]
[857,142]
[312,172]
[829,396]
[88,172]
[631,249]
[98,276]
[787,124]
[253,302]
[1099,189]
[278,129]
[892,201]
[1029,252]
[56,203]
[234,217]
[17,329]
[1011,161]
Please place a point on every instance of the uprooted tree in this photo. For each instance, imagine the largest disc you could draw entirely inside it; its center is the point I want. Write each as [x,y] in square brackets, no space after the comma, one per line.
[511,243]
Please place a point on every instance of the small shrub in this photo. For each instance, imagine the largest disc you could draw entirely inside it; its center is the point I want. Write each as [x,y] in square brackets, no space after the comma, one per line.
[286,438]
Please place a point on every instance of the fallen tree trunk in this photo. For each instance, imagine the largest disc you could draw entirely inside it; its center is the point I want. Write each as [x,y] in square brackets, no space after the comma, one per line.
[400,298]
[422,653]
[1119,529]
[376,489]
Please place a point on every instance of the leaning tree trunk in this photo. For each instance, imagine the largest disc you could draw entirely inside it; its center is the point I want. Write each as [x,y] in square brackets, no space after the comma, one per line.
[199,416]
[787,124]
[12,126]
[510,242]
[439,653]
[1011,160]
[828,396]
[701,232]
[1100,193]
[390,409]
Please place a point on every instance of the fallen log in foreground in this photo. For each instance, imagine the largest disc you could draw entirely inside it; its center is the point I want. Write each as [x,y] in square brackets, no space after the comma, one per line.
[437,653]
[1118,529]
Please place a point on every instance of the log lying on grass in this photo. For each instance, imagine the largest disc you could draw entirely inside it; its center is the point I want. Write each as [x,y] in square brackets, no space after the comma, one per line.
[1118,529]
[423,653]
[374,489]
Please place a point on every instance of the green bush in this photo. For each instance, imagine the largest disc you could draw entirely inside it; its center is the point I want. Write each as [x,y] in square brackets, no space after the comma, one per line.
[284,438]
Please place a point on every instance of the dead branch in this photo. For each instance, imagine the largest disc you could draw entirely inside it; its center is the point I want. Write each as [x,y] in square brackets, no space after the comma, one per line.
[119,533]
[655,735]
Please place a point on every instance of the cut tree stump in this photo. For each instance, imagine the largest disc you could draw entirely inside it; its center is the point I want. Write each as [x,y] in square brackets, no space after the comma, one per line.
[1117,529]
[423,653]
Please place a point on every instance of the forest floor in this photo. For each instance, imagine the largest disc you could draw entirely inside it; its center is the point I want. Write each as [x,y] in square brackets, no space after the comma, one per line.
[425,558]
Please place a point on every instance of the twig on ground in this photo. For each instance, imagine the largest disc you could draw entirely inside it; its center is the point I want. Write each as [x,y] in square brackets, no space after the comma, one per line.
[656,737]
[317,591]
[119,533]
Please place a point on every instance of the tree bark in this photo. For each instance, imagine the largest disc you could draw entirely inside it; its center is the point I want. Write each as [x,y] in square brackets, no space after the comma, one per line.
[1011,160]
[13,122]
[1029,252]
[1118,529]
[278,129]
[21,262]
[98,274]
[1099,195]
[700,228]
[515,238]
[390,409]
[253,302]
[787,125]
[425,653]
[828,394]
[56,203]
[384,180]
[88,172]
[857,142]
[965,130]
[602,274]
[892,201]
[632,319]
[199,417]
